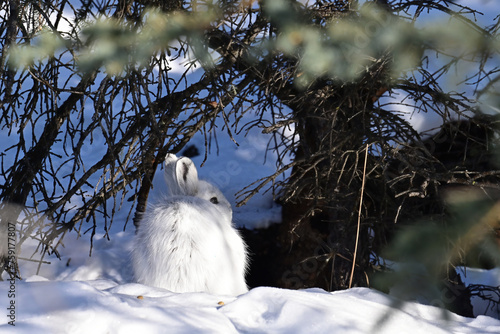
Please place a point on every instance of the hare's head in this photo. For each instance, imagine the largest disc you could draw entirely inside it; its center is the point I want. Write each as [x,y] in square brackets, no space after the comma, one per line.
[181,177]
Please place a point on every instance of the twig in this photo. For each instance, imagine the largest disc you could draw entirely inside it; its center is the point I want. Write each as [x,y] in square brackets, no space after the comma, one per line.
[359,217]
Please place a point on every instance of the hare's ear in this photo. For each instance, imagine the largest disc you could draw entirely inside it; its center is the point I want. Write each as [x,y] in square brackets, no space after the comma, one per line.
[187,176]
[170,175]
[181,176]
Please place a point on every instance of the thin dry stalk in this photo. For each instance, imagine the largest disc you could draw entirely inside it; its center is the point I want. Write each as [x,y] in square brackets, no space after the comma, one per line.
[359,216]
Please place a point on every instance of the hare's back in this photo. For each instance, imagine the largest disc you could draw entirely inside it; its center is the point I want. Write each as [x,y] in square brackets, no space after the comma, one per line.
[190,249]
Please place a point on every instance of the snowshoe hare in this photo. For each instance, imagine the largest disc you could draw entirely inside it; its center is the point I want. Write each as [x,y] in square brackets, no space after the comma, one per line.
[188,243]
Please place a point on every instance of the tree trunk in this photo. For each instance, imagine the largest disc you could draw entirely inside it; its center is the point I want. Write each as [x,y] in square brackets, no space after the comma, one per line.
[321,204]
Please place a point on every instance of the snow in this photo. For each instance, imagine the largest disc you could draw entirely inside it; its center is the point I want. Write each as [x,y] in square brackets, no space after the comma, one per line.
[487,278]
[104,306]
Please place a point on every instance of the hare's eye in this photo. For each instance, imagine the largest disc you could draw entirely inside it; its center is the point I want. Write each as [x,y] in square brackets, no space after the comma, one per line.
[214,200]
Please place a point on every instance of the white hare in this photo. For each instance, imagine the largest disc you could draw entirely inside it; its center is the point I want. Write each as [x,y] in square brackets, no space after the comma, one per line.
[188,243]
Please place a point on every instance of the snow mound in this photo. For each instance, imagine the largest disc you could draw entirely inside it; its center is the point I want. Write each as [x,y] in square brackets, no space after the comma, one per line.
[103,306]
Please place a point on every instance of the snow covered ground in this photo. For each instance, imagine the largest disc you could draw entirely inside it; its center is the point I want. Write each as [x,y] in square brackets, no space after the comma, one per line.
[103,306]
[96,295]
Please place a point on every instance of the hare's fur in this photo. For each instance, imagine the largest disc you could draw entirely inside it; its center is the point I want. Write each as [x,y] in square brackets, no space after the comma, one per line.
[187,243]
